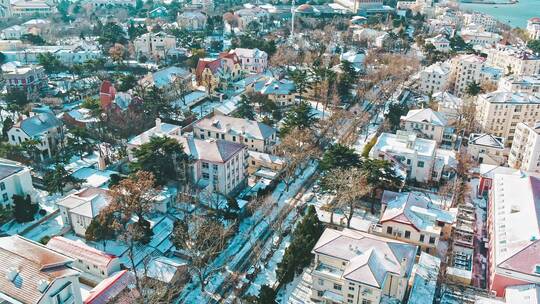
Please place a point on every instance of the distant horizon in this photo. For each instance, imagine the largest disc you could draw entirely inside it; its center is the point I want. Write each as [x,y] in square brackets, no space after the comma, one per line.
[515,15]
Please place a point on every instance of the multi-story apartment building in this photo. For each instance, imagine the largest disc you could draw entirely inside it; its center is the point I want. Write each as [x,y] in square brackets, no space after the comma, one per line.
[256,136]
[478,36]
[94,265]
[525,150]
[251,60]
[218,165]
[487,149]
[414,218]
[405,149]
[30,78]
[192,20]
[499,112]
[27,8]
[360,268]
[15,179]
[513,60]
[434,78]
[513,229]
[155,45]
[533,28]
[484,20]
[429,124]
[466,69]
[43,127]
[31,273]
[520,84]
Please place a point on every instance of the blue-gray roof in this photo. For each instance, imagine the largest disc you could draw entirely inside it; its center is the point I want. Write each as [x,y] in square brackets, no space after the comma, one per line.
[39,123]
[8,169]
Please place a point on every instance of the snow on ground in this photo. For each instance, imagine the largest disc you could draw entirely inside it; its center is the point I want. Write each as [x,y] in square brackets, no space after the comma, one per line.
[250,230]
[298,291]
[319,111]
[51,227]
[268,275]
[85,290]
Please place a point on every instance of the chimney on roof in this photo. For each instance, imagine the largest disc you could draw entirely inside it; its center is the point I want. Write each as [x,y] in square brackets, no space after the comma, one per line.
[158,125]
[12,273]
[42,285]
[403,268]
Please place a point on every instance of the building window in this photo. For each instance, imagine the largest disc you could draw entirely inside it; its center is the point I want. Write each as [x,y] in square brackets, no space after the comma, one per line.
[2,186]
[319,293]
[215,167]
[337,286]
[5,197]
[389,230]
[421,238]
[432,240]
[205,175]
[205,165]
[420,164]
[366,301]
[407,234]
[321,282]
[351,288]
[350,296]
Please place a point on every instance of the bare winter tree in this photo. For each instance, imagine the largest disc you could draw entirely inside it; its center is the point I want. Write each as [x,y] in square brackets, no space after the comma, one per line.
[202,239]
[349,185]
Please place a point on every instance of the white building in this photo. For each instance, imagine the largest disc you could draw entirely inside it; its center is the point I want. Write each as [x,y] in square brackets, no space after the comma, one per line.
[192,20]
[499,112]
[15,179]
[478,36]
[520,84]
[43,127]
[80,208]
[513,60]
[356,267]
[31,273]
[417,155]
[434,78]
[254,135]
[218,165]
[13,32]
[449,105]
[66,54]
[533,28]
[478,19]
[251,60]
[513,229]
[155,45]
[440,43]
[465,70]
[95,265]
[487,149]
[414,218]
[360,6]
[27,8]
[429,124]
[525,150]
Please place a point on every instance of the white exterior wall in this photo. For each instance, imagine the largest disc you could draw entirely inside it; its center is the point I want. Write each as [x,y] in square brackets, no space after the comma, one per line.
[398,233]
[486,155]
[257,145]
[151,45]
[433,82]
[525,150]
[465,72]
[425,130]
[19,183]
[17,136]
[223,177]
[503,59]
[501,119]
[533,28]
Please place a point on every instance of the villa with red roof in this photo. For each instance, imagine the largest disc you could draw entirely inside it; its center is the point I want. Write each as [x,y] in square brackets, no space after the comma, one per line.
[95,265]
[215,73]
[514,231]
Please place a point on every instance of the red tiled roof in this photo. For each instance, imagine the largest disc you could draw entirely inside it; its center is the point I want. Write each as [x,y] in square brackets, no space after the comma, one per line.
[525,261]
[80,251]
[213,65]
[110,287]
